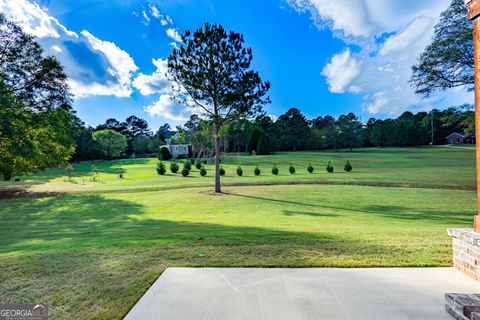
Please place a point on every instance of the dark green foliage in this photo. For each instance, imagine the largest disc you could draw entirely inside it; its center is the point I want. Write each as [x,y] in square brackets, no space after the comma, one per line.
[164,154]
[275,170]
[192,162]
[262,146]
[203,171]
[448,61]
[291,169]
[329,167]
[198,164]
[348,167]
[37,125]
[188,165]
[222,171]
[185,172]
[111,143]
[174,167]
[161,168]
[310,168]
[212,55]
[256,171]
[239,171]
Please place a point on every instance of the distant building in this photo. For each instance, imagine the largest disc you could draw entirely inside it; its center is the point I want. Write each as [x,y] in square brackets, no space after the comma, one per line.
[176,150]
[460,137]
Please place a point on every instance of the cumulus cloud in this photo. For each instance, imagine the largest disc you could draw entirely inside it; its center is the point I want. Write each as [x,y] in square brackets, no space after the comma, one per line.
[167,107]
[94,66]
[157,82]
[341,72]
[173,34]
[391,35]
[160,83]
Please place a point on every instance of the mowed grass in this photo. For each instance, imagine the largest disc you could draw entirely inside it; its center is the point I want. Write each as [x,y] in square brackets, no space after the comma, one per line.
[405,167]
[92,251]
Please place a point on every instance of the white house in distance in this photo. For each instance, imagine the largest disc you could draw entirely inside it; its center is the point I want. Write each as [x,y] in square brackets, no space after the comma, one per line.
[175,149]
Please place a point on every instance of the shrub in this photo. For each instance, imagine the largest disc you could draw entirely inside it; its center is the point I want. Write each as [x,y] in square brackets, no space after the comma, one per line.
[329,167]
[222,171]
[275,170]
[164,154]
[161,168]
[192,161]
[291,169]
[69,170]
[256,171]
[174,167]
[180,156]
[203,171]
[348,167]
[187,165]
[310,168]
[198,164]
[185,172]
[239,171]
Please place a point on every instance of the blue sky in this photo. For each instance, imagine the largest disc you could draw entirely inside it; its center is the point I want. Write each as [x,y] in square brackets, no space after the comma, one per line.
[322,56]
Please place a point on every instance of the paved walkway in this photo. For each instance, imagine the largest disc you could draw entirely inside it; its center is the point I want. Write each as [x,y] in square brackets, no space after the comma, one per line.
[295,294]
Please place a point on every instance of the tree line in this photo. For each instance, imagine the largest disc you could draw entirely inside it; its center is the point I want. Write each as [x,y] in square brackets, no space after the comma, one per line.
[292,131]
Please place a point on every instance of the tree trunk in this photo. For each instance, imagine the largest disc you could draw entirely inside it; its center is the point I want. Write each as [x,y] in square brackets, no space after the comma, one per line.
[217,159]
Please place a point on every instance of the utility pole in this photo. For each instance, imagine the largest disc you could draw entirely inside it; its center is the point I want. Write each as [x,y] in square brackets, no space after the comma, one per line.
[474,15]
[431,122]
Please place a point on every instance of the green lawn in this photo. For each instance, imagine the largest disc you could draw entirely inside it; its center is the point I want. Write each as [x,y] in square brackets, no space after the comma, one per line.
[93,250]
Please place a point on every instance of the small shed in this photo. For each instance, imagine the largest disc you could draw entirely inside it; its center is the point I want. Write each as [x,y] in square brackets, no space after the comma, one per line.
[460,137]
[177,149]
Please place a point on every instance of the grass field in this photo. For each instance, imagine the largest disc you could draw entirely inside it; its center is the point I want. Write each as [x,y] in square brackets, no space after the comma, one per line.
[92,250]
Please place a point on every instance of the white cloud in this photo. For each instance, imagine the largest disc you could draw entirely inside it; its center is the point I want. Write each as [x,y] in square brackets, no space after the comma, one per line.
[341,71]
[173,34]
[168,108]
[157,82]
[381,69]
[94,66]
[33,19]
[154,10]
[121,65]
[408,42]
[57,48]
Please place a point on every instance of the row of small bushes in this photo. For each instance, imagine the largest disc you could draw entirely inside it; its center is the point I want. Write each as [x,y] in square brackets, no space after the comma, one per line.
[187,167]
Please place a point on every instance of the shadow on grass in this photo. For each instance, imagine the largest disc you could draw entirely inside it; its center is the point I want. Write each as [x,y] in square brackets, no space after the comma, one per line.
[386,211]
[93,257]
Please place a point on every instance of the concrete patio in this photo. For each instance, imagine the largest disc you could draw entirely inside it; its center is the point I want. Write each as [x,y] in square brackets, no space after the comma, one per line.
[314,293]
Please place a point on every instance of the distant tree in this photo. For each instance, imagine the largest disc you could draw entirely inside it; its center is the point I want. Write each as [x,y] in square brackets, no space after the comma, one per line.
[141,145]
[379,133]
[292,129]
[332,135]
[111,143]
[448,61]
[315,140]
[111,124]
[212,69]
[87,148]
[135,127]
[263,146]
[350,131]
[255,135]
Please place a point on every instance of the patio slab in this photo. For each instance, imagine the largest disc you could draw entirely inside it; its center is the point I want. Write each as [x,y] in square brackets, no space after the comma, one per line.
[311,293]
